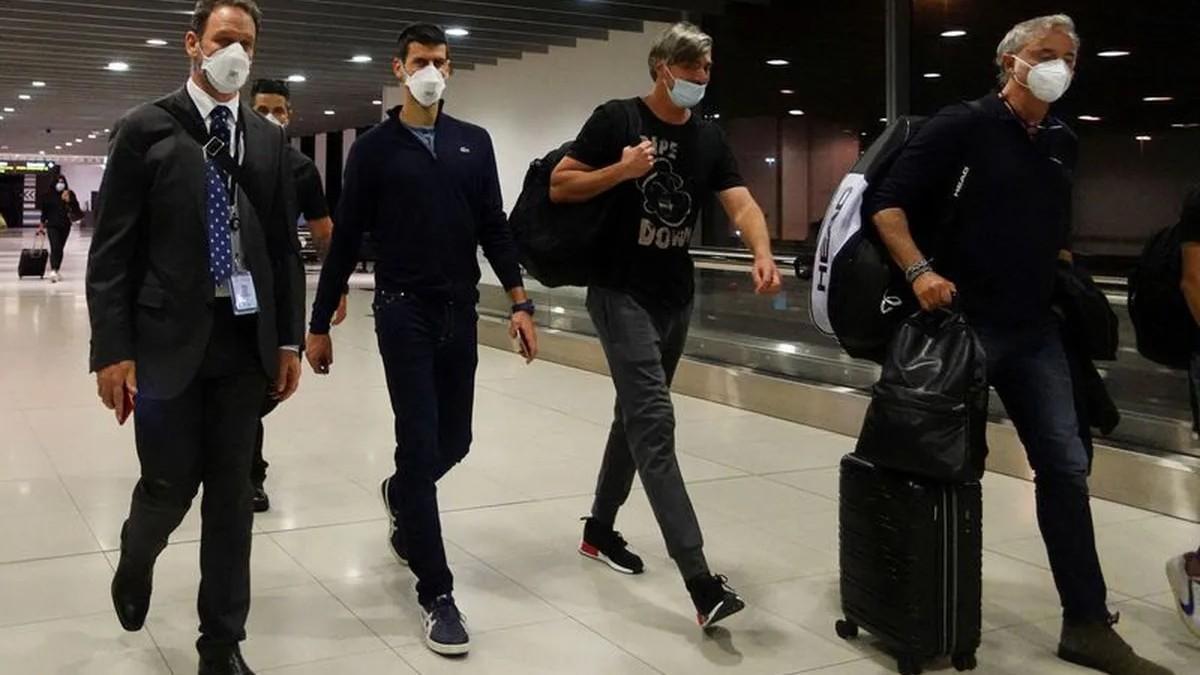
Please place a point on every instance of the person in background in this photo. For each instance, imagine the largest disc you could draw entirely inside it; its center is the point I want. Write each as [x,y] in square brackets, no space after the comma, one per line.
[426,185]
[1183,571]
[195,290]
[640,299]
[60,209]
[273,100]
[1008,165]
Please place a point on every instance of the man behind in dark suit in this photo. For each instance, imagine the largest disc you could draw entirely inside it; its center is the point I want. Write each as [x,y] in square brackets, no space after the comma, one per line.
[196,294]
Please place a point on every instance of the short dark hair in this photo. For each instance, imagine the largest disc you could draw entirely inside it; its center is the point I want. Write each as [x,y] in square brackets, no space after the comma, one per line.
[205,8]
[426,34]
[278,87]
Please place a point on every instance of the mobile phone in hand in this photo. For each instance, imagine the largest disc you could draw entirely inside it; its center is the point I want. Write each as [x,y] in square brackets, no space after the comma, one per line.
[522,344]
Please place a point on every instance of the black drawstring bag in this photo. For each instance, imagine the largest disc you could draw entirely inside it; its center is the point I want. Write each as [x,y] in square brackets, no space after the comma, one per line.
[928,412]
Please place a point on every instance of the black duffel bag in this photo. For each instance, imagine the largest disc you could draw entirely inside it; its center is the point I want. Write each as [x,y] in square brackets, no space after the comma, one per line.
[928,412]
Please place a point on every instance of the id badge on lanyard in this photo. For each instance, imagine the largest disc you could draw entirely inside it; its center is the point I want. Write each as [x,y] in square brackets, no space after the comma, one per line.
[241,284]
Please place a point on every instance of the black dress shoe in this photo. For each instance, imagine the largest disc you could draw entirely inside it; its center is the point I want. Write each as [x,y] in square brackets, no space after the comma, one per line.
[131,587]
[262,503]
[230,663]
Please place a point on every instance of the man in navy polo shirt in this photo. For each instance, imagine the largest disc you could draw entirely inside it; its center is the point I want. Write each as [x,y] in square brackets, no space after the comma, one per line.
[425,184]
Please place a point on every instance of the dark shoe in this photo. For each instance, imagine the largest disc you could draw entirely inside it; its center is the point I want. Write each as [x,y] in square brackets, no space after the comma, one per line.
[262,503]
[605,544]
[396,539]
[131,588]
[714,599]
[231,663]
[445,627]
[1097,646]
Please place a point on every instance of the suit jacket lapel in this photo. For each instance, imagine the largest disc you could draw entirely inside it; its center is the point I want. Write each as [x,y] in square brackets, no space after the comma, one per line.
[194,167]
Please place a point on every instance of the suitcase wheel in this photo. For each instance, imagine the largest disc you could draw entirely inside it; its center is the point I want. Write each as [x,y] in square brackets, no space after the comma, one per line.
[847,630]
[908,665]
[963,662]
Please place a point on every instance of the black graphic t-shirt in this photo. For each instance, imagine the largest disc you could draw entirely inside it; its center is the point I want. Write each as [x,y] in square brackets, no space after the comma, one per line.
[644,251]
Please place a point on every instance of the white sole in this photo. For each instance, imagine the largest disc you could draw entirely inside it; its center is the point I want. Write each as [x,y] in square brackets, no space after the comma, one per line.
[391,530]
[600,557]
[447,650]
[1179,581]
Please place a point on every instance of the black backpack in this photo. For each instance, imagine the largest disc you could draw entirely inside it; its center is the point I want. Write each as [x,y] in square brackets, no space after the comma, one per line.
[1161,319]
[556,242]
[929,411]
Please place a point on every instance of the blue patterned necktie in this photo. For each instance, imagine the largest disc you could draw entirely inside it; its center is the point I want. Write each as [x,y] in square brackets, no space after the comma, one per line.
[220,246]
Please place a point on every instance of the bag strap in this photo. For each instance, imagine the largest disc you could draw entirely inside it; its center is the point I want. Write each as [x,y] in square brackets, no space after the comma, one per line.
[633,118]
[213,147]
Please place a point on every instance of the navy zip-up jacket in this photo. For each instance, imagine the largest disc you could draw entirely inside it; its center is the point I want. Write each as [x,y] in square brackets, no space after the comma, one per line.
[428,215]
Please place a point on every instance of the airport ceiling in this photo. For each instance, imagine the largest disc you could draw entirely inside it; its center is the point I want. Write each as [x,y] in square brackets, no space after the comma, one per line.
[67,45]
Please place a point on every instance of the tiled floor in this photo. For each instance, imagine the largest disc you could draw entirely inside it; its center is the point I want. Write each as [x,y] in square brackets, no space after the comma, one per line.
[329,599]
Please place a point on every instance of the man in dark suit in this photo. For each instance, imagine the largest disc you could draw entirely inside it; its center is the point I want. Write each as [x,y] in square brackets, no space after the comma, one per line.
[196,295]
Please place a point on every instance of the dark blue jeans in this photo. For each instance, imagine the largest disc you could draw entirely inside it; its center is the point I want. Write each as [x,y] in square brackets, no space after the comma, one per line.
[1029,370]
[430,353]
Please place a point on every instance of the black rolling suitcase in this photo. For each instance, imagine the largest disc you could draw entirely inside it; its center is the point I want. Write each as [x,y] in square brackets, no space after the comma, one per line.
[911,564]
[33,260]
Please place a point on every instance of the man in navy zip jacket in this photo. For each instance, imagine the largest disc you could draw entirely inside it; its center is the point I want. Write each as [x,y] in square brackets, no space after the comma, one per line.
[425,184]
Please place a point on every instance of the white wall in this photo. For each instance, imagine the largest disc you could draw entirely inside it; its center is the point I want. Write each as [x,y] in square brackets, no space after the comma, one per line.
[536,103]
[84,179]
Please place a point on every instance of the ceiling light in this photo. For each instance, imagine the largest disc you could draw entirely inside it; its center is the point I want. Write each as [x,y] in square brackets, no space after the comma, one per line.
[155,42]
[361,58]
[716,116]
[1187,125]
[778,62]
[297,78]
[106,131]
[457,32]
[770,160]
[796,113]
[91,137]
[1,117]
[932,76]
[58,147]
[118,66]
[1158,99]
[1089,118]
[1143,138]
[376,102]
[69,144]
[38,83]
[787,92]
[1113,53]
[953,33]
[24,97]
[10,110]
[330,112]
[883,119]
[41,152]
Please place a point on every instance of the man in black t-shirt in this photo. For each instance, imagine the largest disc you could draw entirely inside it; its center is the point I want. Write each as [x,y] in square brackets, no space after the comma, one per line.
[272,99]
[664,163]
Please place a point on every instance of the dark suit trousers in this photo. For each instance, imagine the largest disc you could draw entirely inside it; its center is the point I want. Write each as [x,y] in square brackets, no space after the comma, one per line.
[258,469]
[205,436]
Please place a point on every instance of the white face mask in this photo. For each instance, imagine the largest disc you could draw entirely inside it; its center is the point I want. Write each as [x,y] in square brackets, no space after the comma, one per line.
[274,120]
[427,85]
[1047,81]
[227,69]
[686,94]
[60,186]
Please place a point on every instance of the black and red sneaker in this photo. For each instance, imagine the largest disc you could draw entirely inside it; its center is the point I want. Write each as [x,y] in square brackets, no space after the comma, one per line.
[714,599]
[601,542]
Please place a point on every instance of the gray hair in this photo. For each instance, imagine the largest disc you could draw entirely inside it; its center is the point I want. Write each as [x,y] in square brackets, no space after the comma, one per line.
[1027,31]
[682,43]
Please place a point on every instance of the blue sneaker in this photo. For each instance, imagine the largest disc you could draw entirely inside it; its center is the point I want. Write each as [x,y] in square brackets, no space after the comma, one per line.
[1187,591]
[397,542]
[445,627]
